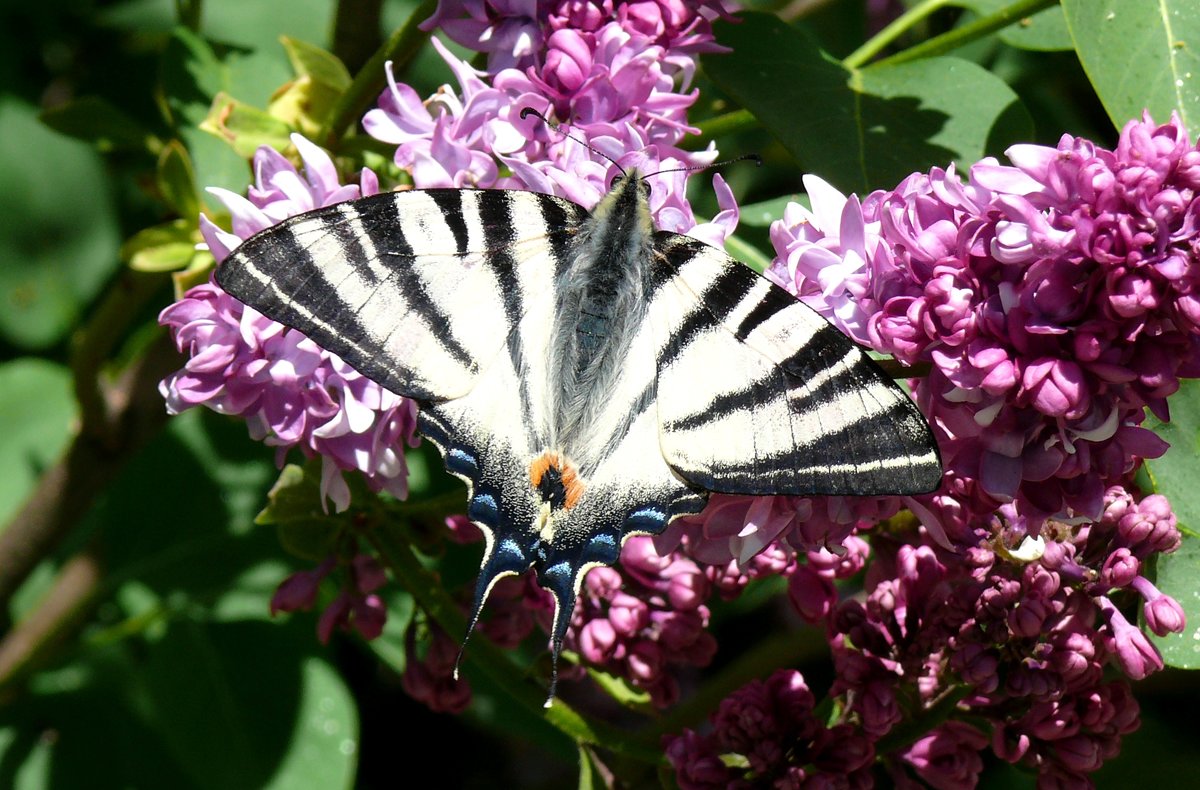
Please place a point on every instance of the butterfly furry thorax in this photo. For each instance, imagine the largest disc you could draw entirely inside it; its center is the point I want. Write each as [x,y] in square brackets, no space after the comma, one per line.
[588,377]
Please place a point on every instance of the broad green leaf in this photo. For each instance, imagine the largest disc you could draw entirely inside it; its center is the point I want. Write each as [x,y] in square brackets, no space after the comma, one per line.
[1045,31]
[230,702]
[58,229]
[206,705]
[37,409]
[1140,56]
[868,128]
[96,121]
[179,518]
[1175,475]
[192,75]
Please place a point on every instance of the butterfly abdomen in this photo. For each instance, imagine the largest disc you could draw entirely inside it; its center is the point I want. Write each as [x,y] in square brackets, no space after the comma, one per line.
[600,306]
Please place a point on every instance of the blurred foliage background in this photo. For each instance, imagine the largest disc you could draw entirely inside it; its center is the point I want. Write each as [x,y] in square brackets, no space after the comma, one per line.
[138,650]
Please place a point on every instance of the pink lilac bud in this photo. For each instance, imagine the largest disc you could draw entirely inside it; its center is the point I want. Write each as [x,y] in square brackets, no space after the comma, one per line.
[298,592]
[1163,613]
[697,762]
[643,621]
[1133,652]
[948,757]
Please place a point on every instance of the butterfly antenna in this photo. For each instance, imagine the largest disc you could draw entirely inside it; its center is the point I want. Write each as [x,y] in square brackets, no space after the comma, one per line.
[528,111]
[693,168]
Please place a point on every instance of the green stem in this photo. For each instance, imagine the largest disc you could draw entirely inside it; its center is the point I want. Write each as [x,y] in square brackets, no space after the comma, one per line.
[876,44]
[729,123]
[499,665]
[908,731]
[985,26]
[400,48]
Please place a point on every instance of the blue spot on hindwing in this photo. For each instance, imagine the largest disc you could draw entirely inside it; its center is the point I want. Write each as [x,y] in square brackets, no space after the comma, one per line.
[483,508]
[646,519]
[462,462]
[602,547]
[508,550]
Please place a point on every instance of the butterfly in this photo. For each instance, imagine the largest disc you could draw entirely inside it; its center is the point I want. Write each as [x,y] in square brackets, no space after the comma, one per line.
[588,376]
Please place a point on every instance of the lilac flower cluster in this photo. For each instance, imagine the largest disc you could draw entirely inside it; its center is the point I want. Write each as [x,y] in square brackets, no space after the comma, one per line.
[291,393]
[631,112]
[773,726]
[1018,646]
[644,620]
[557,38]
[1053,300]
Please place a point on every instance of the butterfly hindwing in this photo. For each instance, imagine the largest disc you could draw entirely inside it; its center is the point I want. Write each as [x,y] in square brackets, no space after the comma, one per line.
[757,394]
[417,290]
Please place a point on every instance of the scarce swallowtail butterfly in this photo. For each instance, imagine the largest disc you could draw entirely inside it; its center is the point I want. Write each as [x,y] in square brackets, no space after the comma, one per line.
[589,377]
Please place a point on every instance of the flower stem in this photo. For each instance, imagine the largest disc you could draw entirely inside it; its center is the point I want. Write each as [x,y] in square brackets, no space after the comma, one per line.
[400,48]
[488,659]
[874,45]
[729,123]
[985,26]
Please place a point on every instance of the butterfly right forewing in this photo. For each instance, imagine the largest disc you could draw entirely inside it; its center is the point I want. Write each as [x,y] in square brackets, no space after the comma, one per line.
[757,394]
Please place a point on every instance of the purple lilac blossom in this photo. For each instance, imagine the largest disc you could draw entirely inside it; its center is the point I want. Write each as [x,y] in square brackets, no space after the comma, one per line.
[1052,299]
[1022,646]
[775,729]
[521,34]
[291,393]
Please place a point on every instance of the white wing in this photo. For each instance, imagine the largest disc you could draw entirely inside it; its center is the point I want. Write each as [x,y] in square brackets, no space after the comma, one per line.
[417,290]
[757,394]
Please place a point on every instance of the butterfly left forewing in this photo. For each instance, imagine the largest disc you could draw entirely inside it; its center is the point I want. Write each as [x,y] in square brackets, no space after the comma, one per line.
[757,394]
[417,290]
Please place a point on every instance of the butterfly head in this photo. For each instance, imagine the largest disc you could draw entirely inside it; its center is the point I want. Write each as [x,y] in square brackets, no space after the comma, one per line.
[626,207]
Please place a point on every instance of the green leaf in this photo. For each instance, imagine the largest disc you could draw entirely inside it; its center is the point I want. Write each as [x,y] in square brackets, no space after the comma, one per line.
[324,67]
[96,121]
[192,75]
[867,128]
[177,181]
[1178,575]
[58,229]
[1175,474]
[761,215]
[37,410]
[1140,55]
[244,127]
[1045,31]
[162,248]
[294,507]
[235,722]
